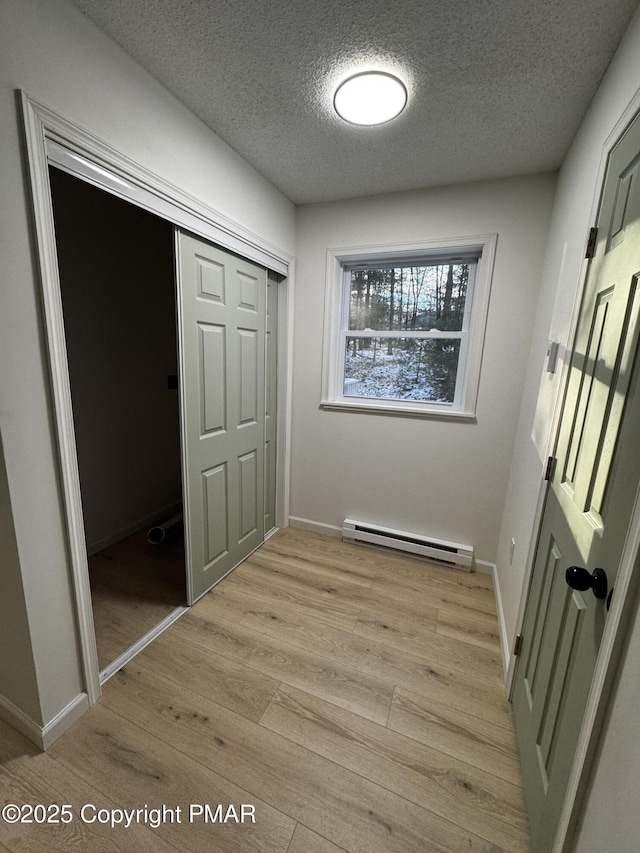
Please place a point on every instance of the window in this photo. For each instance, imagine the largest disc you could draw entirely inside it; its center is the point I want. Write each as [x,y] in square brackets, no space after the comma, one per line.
[404,329]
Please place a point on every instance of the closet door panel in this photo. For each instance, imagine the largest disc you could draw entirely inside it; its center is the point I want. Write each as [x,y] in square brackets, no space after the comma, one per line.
[222,301]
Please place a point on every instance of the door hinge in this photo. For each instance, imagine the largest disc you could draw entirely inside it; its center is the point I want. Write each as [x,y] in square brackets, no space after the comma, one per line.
[517,646]
[551,464]
[591,243]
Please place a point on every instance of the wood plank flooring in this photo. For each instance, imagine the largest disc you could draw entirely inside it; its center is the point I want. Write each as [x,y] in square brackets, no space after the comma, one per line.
[354,697]
[134,585]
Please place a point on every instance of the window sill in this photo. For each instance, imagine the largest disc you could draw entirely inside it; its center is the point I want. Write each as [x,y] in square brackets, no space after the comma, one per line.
[378,408]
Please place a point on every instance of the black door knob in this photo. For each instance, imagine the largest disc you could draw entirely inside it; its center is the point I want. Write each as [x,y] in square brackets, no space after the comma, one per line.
[579,578]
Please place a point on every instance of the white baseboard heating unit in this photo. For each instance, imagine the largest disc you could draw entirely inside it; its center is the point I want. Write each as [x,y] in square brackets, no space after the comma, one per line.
[449,553]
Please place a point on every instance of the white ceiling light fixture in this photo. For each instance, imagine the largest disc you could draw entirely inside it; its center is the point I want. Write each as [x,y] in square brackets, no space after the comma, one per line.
[370,97]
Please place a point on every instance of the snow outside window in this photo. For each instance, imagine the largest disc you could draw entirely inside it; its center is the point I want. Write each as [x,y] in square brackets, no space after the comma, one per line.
[404,331]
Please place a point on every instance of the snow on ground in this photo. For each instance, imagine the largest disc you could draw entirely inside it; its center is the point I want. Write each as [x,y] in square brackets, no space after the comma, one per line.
[399,376]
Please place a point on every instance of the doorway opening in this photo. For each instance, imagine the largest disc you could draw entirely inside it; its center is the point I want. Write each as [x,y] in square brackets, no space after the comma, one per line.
[117,284]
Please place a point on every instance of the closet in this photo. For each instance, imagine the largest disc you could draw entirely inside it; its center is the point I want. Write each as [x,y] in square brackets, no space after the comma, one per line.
[118,296]
[172,363]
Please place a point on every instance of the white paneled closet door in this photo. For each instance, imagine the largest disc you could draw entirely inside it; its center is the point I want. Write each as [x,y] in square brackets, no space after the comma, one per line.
[222,320]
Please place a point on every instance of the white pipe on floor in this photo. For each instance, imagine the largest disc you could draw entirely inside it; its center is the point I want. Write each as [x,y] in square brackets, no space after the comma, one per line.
[159,533]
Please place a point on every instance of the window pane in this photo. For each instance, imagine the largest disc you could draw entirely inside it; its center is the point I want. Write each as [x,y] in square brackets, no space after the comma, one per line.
[418,298]
[401,368]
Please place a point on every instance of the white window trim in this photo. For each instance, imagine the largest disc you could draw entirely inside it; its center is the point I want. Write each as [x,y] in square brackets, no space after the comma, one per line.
[464,407]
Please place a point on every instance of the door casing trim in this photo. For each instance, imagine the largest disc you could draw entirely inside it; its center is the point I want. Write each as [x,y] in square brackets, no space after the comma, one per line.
[41,127]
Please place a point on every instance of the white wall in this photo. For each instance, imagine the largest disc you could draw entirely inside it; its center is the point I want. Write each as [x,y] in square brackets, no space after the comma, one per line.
[610,819]
[442,478]
[50,50]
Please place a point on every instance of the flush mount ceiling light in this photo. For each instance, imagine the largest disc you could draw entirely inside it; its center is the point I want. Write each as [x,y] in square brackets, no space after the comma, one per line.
[370,97]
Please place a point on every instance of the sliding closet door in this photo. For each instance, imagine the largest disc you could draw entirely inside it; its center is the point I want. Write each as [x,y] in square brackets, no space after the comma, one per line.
[222,332]
[271,404]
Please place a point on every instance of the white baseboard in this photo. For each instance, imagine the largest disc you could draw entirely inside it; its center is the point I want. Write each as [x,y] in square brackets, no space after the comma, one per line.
[43,736]
[21,722]
[484,568]
[62,721]
[315,526]
[502,625]
[123,532]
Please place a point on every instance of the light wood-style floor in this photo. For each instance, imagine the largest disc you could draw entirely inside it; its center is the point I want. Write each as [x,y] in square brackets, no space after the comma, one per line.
[353,697]
[134,585]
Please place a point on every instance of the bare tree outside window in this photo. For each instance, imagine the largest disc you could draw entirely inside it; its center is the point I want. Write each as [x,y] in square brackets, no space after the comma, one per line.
[418,313]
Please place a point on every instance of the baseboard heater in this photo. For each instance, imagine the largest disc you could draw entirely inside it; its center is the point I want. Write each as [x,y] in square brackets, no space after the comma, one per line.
[449,553]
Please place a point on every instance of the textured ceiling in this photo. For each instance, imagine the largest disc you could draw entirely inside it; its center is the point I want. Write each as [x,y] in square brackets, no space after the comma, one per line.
[496,87]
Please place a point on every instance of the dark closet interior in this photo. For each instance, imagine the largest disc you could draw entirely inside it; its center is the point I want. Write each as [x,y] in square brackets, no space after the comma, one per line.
[118,294]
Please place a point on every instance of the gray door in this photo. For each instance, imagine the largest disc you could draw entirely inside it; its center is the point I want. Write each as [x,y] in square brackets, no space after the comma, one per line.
[588,506]
[222,336]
